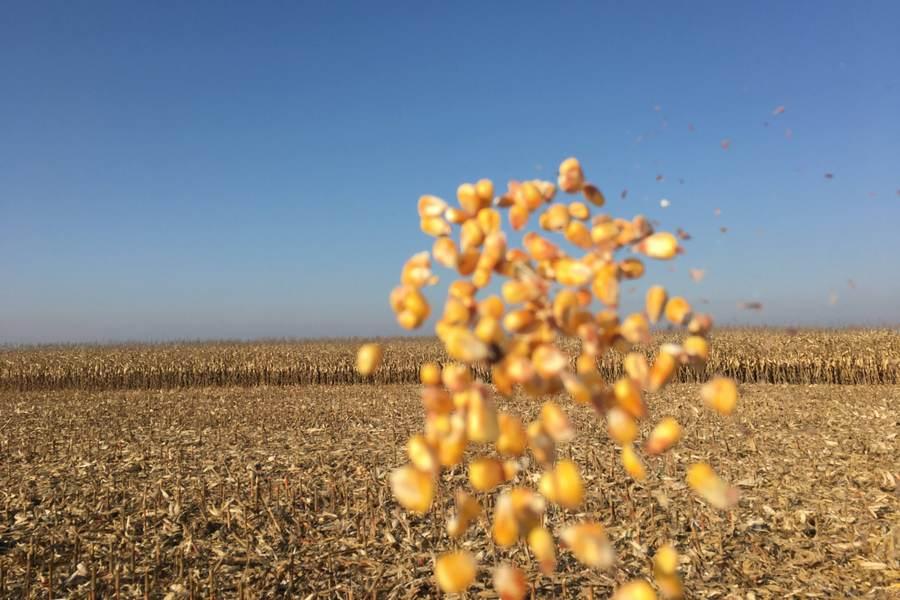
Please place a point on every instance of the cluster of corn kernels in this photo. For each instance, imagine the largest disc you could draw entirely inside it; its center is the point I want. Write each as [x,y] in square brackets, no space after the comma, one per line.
[547,294]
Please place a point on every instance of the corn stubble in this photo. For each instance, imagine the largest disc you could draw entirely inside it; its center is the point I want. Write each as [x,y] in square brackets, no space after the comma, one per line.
[547,296]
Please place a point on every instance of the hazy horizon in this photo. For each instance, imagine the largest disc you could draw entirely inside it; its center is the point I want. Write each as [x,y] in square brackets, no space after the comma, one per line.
[199,171]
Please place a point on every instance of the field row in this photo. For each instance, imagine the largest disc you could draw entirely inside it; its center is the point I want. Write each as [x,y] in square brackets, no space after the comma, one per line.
[750,356]
[269,493]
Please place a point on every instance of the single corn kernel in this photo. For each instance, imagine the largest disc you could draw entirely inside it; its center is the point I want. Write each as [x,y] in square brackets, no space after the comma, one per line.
[430,374]
[572,273]
[468,198]
[456,377]
[593,194]
[413,489]
[445,252]
[489,220]
[621,426]
[556,423]
[481,418]
[549,361]
[632,463]
[529,196]
[665,561]
[512,439]
[678,310]
[631,268]
[579,210]
[518,216]
[635,590]
[421,454]
[540,443]
[505,526]
[635,329]
[700,325]
[510,583]
[368,358]
[484,189]
[636,366]
[589,543]
[662,246]
[696,348]
[571,177]
[656,301]
[457,216]
[485,473]
[720,394]
[431,206]
[628,397]
[709,486]
[665,435]
[518,321]
[661,371]
[563,485]
[540,541]
[455,571]
[578,234]
[435,226]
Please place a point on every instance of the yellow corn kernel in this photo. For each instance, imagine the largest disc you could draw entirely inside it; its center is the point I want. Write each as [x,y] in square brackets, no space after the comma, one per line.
[665,561]
[368,358]
[481,418]
[505,526]
[540,541]
[556,422]
[455,571]
[485,473]
[589,544]
[579,210]
[662,245]
[635,329]
[540,248]
[451,448]
[678,310]
[661,371]
[720,394]
[631,268]
[665,435]
[605,233]
[632,463]
[421,454]
[529,196]
[492,306]
[528,507]
[489,331]
[621,426]
[593,194]
[457,216]
[518,216]
[484,189]
[435,226]
[503,383]
[512,439]
[628,397]
[571,177]
[471,235]
[445,252]
[563,485]
[700,325]
[489,220]
[436,399]
[510,583]
[656,300]
[670,587]
[548,360]
[468,261]
[462,345]
[456,377]
[518,321]
[557,217]
[468,198]
[578,234]
[696,348]
[516,292]
[709,486]
[636,367]
[635,590]
[572,273]
[606,285]
[456,312]
[413,489]
[431,206]
[540,443]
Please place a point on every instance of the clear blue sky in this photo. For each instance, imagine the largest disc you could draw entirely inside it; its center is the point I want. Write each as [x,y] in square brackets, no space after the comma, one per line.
[224,169]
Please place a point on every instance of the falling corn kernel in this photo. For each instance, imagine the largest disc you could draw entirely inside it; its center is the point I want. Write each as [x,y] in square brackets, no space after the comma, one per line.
[512,439]
[579,210]
[635,365]
[593,194]
[563,485]
[661,372]
[622,427]
[455,571]
[677,310]
[635,329]
[421,454]
[510,582]
[662,245]
[632,464]
[656,301]
[578,234]
[485,473]
[720,394]
[435,226]
[413,489]
[505,526]
[540,541]
[635,590]
[696,348]
[540,443]
[709,486]
[368,358]
[556,423]
[464,346]
[628,397]
[431,206]
[665,435]
[430,374]
[631,268]
[571,177]
[549,361]
[589,544]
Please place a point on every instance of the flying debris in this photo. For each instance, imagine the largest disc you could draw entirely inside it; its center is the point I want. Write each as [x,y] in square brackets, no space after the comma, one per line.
[659,177]
[682,234]
[829,175]
[717,212]
[624,194]
[723,229]
[664,203]
[726,143]
[697,274]
[778,110]
[750,305]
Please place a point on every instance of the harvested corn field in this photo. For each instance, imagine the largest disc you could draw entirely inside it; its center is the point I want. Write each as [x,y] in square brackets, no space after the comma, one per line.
[282,492]
[839,356]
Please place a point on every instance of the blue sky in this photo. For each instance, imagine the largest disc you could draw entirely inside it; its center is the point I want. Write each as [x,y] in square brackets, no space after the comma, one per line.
[219,170]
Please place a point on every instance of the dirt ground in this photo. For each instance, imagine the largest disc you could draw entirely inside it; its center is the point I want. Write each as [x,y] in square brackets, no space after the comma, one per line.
[281,492]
